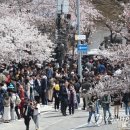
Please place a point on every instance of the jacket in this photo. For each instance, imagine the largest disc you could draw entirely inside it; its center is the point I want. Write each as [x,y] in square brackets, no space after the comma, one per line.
[64,93]
[72,97]
[106,100]
[126,98]
[28,111]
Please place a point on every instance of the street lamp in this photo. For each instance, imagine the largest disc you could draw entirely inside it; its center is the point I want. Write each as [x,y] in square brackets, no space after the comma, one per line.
[79,42]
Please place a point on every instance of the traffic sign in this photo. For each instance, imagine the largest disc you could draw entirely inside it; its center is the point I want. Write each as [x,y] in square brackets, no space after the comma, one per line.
[82,48]
[80,37]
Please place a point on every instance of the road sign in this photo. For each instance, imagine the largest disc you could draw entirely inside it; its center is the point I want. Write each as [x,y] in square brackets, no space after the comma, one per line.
[80,37]
[82,48]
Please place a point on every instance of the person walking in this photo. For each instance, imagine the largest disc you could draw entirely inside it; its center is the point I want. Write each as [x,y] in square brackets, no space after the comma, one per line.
[27,113]
[44,90]
[106,100]
[126,101]
[22,98]
[37,88]
[2,91]
[64,97]
[77,86]
[6,102]
[17,102]
[31,83]
[117,103]
[92,109]
[36,114]
[72,99]
[56,92]
[13,104]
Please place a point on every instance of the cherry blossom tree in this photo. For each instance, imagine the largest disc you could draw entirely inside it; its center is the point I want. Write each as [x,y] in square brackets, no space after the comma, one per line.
[120,80]
[45,11]
[20,39]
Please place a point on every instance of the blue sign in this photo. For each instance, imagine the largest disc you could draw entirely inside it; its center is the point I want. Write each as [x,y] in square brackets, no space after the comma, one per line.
[82,48]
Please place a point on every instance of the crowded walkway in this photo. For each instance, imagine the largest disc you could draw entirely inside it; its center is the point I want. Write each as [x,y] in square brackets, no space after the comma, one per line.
[26,87]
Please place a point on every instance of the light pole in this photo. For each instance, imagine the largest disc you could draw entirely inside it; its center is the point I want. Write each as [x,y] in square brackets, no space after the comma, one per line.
[79,42]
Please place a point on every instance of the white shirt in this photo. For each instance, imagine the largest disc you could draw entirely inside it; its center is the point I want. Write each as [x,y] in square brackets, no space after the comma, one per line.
[37,111]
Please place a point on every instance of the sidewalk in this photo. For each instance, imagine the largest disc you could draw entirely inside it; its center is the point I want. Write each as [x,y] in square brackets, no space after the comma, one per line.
[47,108]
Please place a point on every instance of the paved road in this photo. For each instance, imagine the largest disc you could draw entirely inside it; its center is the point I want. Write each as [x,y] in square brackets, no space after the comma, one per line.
[55,121]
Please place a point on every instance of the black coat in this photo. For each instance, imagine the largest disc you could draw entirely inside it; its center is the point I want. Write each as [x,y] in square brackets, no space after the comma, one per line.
[30,111]
[63,93]
[43,84]
[126,98]
[37,87]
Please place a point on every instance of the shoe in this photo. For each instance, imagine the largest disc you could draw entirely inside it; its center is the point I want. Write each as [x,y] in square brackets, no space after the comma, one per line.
[97,124]
[88,125]
[109,122]
[6,121]
[64,114]
[57,110]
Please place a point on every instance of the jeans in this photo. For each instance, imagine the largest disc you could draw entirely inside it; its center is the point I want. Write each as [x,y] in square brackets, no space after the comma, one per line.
[78,100]
[105,111]
[1,106]
[36,121]
[1,109]
[127,109]
[97,107]
[32,96]
[78,97]
[90,116]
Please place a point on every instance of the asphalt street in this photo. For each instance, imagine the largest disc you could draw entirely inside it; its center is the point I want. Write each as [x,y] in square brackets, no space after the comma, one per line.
[52,120]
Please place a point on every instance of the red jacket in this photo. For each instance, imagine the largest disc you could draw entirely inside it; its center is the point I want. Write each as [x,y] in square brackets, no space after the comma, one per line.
[21,93]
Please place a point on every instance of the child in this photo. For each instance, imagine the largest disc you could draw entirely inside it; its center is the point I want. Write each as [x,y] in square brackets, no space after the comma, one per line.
[36,114]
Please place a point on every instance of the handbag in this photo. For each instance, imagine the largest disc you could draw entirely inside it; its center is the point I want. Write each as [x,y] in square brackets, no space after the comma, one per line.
[18,100]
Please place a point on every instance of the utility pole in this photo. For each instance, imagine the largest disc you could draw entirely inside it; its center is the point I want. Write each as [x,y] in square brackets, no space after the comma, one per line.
[78,31]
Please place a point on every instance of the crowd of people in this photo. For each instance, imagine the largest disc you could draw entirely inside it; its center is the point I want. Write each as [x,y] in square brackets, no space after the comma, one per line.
[23,86]
[26,85]
[101,88]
